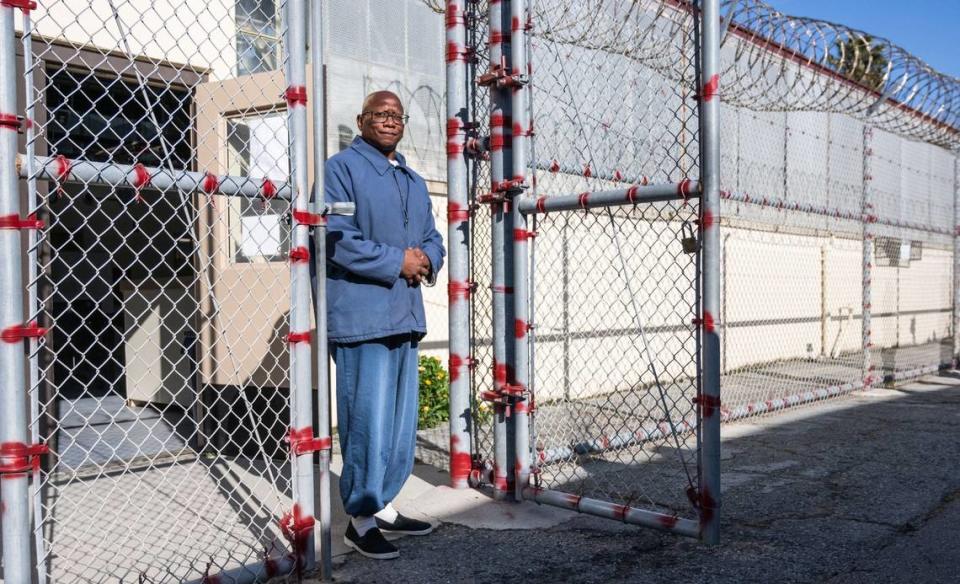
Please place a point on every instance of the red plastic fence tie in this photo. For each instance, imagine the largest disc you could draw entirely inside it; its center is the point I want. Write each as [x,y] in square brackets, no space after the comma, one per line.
[210,183]
[18,458]
[299,255]
[513,389]
[297,528]
[25,5]
[456,212]
[707,322]
[711,87]
[554,167]
[632,194]
[455,362]
[683,189]
[268,191]
[708,404]
[10,122]
[520,328]
[542,205]
[296,95]
[19,332]
[454,17]
[141,178]
[460,290]
[587,172]
[460,462]
[307,218]
[707,221]
[298,337]
[15,222]
[617,176]
[523,234]
[61,172]
[584,199]
[303,441]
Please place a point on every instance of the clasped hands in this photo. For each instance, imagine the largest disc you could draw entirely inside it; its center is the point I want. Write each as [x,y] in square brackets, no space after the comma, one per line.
[416,266]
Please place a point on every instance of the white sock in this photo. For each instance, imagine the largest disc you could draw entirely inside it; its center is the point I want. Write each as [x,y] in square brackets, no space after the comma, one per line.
[388,513]
[363,524]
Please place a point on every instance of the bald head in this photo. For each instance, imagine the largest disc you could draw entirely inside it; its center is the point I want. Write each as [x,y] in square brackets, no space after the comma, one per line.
[376,97]
[381,121]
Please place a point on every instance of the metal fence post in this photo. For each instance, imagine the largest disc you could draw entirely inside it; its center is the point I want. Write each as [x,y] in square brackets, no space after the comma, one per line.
[320,286]
[956,259]
[521,235]
[709,401]
[17,457]
[501,273]
[458,246]
[301,410]
[867,219]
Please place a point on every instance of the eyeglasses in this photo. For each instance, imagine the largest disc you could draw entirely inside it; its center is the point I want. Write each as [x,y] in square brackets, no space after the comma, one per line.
[382,117]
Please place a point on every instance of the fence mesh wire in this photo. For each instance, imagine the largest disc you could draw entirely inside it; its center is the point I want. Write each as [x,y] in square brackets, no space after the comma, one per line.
[615,294]
[838,170]
[163,387]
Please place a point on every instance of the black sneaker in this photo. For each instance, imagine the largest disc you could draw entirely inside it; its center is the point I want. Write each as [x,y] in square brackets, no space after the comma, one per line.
[405,525]
[372,544]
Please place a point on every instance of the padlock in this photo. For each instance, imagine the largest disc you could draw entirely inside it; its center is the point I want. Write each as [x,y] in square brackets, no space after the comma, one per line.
[689,241]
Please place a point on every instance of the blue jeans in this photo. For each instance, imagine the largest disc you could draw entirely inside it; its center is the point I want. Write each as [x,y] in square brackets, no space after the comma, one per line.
[377,400]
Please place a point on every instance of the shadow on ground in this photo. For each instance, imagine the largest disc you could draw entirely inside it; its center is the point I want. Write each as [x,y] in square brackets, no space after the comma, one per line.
[857,490]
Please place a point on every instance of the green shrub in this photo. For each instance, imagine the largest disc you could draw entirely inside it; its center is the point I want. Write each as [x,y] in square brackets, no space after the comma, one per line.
[434,393]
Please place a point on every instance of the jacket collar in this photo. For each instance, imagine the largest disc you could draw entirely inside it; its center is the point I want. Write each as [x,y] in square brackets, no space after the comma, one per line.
[380,162]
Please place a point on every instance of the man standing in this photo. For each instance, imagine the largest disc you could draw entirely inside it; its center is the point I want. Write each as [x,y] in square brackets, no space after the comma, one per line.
[377,260]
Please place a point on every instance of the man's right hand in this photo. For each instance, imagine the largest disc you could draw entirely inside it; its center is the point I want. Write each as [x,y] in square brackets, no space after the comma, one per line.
[415,266]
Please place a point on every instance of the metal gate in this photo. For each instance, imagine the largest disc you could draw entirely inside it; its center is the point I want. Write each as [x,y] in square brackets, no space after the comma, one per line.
[583,189]
[156,198]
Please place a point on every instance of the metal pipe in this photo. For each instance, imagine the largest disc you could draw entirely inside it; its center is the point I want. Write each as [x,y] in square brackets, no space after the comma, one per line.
[124,175]
[633,195]
[661,521]
[867,217]
[15,459]
[301,414]
[61,170]
[501,275]
[956,259]
[709,401]
[832,212]
[521,236]
[458,246]
[319,284]
[33,302]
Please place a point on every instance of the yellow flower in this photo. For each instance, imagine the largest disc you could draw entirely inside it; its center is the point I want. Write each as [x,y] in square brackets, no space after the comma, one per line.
[426,382]
[422,369]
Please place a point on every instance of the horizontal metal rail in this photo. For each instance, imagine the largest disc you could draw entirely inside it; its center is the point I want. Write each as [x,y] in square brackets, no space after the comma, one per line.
[662,521]
[832,212]
[633,195]
[137,176]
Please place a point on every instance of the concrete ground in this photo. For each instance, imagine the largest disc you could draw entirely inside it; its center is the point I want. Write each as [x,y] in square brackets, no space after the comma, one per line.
[864,489]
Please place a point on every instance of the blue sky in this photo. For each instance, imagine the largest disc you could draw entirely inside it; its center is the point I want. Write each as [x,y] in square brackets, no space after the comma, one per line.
[926,28]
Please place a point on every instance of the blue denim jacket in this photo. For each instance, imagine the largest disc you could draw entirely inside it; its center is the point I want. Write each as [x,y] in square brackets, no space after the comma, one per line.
[366,297]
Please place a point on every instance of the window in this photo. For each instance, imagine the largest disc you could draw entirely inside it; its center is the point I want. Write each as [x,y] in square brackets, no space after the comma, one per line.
[257,147]
[258,36]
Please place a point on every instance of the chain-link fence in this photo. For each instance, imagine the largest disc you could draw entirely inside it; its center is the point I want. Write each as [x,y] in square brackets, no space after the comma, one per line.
[837,250]
[163,152]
